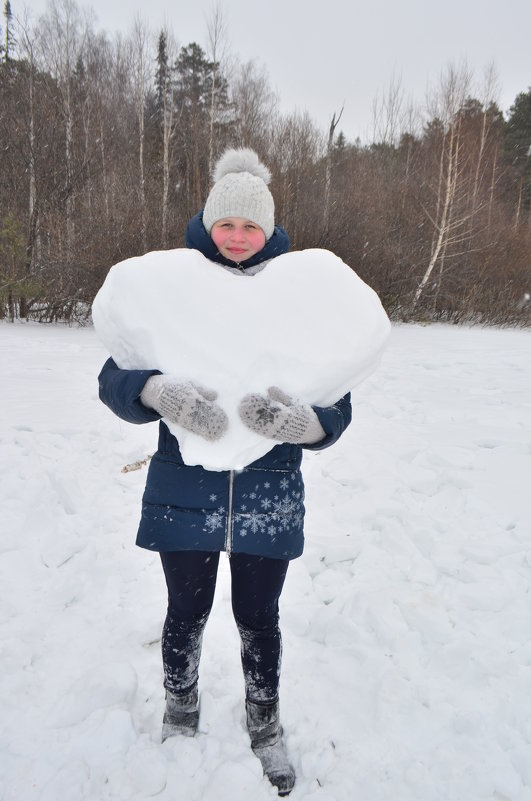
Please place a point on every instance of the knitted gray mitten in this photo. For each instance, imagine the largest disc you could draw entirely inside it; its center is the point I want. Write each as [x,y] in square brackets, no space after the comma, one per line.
[278,416]
[187,404]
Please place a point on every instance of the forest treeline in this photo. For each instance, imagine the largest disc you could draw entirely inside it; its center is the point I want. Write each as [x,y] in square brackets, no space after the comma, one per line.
[107,146]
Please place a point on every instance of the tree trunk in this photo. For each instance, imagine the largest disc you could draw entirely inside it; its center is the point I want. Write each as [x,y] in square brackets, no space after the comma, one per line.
[215,34]
[167,133]
[442,224]
[454,92]
[139,39]
[492,185]
[104,176]
[328,173]
[519,204]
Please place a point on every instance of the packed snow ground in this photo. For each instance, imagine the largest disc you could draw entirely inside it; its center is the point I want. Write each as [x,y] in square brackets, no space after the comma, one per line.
[407,621]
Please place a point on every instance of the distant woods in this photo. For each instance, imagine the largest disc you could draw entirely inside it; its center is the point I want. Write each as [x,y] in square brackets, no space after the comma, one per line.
[106,150]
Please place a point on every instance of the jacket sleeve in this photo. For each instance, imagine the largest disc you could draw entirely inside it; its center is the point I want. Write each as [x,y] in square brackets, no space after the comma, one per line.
[120,391]
[334,419]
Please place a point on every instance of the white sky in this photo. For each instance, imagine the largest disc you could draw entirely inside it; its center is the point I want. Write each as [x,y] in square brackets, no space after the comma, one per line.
[320,54]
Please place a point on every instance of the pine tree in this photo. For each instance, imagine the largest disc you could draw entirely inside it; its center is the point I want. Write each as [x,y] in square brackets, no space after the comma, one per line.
[518,146]
[9,42]
[164,110]
[193,88]
[162,74]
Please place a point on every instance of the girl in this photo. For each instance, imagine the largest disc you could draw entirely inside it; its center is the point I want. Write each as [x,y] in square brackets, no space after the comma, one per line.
[190,515]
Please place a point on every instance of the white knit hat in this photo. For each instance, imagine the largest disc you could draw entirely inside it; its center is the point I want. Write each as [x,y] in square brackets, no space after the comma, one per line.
[240,190]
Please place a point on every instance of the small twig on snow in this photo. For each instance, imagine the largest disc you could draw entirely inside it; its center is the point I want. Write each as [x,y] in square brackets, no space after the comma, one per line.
[128,468]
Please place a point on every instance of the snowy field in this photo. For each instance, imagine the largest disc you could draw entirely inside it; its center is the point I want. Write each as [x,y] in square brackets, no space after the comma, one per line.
[407,622]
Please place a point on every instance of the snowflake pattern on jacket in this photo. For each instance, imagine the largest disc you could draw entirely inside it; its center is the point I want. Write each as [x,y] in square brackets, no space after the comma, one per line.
[269,510]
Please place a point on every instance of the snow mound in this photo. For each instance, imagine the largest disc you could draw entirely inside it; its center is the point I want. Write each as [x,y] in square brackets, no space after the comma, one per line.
[306,323]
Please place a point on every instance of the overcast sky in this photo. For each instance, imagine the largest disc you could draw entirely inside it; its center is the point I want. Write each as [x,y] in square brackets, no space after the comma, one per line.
[321,54]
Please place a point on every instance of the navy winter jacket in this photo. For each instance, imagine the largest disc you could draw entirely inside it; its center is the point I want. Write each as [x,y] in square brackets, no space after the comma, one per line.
[258,510]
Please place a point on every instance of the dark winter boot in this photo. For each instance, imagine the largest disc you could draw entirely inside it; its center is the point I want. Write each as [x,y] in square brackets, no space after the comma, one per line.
[266,741]
[181,715]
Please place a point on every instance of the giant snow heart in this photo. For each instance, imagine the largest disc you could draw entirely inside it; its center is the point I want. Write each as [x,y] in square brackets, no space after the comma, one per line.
[306,323]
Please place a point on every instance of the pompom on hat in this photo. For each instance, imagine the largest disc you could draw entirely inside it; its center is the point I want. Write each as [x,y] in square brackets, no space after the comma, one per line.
[240,190]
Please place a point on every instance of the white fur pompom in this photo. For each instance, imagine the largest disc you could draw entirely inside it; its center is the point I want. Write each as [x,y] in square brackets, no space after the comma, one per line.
[243,160]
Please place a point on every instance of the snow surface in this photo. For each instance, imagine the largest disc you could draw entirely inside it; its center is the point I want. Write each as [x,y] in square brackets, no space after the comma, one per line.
[306,323]
[407,621]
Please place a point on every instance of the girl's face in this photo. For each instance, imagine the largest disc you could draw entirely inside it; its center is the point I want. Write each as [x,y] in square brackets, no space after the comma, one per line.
[237,239]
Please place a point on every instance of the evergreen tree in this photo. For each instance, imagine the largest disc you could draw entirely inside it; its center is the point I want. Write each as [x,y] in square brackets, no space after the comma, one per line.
[193,76]
[193,86]
[9,42]
[80,72]
[518,144]
[164,114]
[162,74]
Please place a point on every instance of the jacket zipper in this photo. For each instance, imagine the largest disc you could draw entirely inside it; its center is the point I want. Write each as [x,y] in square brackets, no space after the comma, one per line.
[228,537]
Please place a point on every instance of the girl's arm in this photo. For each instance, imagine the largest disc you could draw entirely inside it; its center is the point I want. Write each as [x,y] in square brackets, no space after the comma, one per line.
[334,420]
[120,391]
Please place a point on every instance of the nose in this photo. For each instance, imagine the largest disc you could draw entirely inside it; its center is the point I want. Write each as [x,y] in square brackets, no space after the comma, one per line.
[237,235]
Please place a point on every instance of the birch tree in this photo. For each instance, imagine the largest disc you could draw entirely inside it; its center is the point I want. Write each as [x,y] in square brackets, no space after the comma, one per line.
[296,147]
[490,92]
[62,38]
[445,218]
[141,79]
[101,69]
[388,113]
[255,104]
[216,48]
[328,171]
[33,241]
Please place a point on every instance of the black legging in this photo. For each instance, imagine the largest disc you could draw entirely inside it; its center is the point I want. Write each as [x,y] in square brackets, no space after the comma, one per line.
[256,586]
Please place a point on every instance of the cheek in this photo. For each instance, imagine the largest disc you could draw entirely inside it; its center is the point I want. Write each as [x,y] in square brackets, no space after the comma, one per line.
[218,237]
[257,240]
